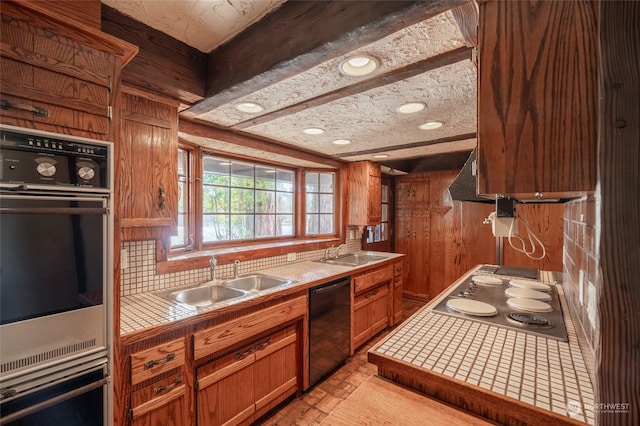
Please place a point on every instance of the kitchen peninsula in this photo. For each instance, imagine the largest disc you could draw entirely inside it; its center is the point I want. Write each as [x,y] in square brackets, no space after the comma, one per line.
[481,367]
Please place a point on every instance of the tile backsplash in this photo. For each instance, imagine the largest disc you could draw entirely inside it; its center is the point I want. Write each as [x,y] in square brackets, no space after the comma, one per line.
[582,278]
[139,274]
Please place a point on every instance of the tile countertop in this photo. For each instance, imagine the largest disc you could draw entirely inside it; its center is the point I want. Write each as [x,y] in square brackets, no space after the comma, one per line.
[546,373]
[145,310]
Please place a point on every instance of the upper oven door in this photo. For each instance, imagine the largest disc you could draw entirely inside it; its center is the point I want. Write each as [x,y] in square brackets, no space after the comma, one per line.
[53,251]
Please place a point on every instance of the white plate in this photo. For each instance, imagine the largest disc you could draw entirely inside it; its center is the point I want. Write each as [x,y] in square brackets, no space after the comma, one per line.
[472,307]
[533,285]
[527,293]
[486,280]
[529,305]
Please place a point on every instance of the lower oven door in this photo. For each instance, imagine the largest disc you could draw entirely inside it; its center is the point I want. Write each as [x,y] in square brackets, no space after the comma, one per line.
[77,400]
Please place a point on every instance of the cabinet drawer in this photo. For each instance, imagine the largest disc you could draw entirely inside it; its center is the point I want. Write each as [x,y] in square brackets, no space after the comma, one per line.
[372,278]
[151,362]
[161,394]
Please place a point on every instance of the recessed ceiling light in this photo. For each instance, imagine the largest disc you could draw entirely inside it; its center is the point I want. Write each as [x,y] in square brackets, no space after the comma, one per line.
[341,142]
[358,65]
[430,125]
[410,107]
[381,156]
[249,107]
[313,131]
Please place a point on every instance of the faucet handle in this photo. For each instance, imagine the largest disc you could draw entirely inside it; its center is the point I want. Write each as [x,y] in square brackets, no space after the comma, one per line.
[213,262]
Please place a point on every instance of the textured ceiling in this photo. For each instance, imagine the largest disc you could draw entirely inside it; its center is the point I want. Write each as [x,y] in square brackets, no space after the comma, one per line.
[366,117]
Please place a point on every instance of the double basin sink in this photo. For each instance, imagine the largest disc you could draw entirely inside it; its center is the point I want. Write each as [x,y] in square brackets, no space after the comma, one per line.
[213,292]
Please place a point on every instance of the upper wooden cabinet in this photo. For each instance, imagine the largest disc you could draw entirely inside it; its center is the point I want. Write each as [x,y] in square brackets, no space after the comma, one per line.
[365,192]
[58,75]
[147,178]
[537,98]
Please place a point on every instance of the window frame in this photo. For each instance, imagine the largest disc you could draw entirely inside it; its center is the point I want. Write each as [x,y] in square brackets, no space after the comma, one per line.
[299,204]
[191,197]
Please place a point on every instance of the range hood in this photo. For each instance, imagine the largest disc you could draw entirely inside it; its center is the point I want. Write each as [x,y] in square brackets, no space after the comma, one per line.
[464,185]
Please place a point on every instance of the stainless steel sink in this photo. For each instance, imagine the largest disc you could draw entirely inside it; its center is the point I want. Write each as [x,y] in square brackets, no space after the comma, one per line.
[256,282]
[352,259]
[203,296]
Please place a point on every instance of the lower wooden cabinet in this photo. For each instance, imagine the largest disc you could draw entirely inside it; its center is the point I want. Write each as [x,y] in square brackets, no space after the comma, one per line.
[239,387]
[161,403]
[370,314]
[398,281]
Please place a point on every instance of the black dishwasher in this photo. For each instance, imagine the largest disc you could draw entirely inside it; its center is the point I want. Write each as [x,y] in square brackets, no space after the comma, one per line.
[329,327]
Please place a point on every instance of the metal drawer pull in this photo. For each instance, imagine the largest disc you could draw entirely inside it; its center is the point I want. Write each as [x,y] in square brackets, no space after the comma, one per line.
[175,383]
[155,362]
[263,345]
[39,112]
[243,355]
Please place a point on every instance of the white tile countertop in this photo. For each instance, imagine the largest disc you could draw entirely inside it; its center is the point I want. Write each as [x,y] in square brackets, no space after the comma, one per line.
[543,372]
[146,310]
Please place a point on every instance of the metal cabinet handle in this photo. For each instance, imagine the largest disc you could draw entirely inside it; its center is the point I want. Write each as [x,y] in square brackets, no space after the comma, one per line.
[175,383]
[263,345]
[414,234]
[155,362]
[37,111]
[408,233]
[243,355]
[161,198]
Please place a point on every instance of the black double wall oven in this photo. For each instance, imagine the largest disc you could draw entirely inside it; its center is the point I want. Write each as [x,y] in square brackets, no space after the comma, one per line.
[55,278]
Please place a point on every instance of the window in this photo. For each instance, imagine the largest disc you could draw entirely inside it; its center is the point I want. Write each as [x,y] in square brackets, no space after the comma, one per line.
[244,201]
[320,203]
[224,201]
[185,223]
[380,232]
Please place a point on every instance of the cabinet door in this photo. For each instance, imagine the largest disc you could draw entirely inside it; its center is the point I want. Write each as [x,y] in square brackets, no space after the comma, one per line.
[52,82]
[162,403]
[226,389]
[398,272]
[537,97]
[365,192]
[276,370]
[370,314]
[148,161]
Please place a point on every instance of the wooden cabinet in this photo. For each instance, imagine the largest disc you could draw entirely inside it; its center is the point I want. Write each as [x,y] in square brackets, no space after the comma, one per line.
[398,280]
[147,182]
[412,233]
[371,309]
[158,383]
[365,192]
[239,387]
[57,75]
[537,98]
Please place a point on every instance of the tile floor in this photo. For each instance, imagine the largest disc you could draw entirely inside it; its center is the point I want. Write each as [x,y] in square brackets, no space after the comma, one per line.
[312,407]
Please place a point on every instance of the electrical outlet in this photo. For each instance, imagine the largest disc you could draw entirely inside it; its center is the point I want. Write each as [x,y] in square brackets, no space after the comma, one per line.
[591,304]
[581,287]
[124,259]
[502,225]
[291,257]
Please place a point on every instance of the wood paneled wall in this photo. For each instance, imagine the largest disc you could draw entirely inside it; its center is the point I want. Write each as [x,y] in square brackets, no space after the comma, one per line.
[458,239]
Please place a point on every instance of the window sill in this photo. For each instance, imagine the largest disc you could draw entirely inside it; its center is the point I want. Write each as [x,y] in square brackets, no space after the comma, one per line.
[200,259]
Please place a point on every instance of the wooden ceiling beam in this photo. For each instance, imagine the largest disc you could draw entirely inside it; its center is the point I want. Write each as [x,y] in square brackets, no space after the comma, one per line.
[387,149]
[299,35]
[391,77]
[211,131]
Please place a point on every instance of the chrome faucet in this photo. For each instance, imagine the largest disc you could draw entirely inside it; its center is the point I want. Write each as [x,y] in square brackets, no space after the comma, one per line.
[337,251]
[236,264]
[213,262]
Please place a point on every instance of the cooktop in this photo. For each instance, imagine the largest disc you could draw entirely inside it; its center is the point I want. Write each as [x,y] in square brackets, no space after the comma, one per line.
[512,302]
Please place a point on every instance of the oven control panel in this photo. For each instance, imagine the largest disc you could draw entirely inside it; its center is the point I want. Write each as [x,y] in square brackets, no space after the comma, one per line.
[33,159]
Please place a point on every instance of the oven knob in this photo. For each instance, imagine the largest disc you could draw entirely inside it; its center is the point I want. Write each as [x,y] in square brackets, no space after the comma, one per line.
[46,169]
[86,173]
[461,293]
